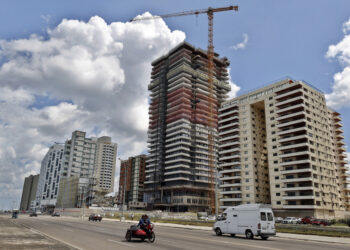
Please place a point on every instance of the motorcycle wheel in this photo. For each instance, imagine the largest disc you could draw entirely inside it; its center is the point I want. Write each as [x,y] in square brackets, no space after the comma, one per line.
[152,238]
[128,236]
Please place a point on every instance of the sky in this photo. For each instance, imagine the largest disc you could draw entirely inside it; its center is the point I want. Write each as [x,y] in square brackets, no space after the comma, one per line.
[81,65]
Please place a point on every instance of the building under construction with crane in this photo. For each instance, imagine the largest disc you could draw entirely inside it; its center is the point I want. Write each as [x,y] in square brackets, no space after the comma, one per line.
[183,114]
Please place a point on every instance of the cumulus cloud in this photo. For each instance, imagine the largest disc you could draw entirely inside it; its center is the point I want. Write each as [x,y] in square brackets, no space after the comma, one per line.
[340,95]
[97,72]
[242,44]
[234,87]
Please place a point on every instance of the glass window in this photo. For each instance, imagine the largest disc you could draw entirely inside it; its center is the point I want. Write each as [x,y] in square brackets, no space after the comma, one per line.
[270,216]
[263,216]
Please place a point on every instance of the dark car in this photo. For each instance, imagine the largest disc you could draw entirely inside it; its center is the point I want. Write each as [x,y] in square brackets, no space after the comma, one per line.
[56,214]
[317,222]
[307,220]
[95,217]
[33,214]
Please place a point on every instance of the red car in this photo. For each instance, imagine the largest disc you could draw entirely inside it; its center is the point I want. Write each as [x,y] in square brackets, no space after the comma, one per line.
[318,222]
[307,220]
[95,217]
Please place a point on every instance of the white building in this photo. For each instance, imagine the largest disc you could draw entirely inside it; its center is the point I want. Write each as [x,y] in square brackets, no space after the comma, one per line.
[49,178]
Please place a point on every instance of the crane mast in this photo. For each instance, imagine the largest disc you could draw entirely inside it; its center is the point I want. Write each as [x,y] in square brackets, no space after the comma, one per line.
[211,121]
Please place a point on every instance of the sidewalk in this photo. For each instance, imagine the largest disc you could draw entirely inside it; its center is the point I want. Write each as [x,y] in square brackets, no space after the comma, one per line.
[339,240]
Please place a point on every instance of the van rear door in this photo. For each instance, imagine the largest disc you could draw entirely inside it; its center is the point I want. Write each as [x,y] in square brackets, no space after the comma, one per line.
[270,223]
[263,222]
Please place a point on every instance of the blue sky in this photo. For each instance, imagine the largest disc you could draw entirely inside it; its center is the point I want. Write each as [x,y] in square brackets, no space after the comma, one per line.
[283,38]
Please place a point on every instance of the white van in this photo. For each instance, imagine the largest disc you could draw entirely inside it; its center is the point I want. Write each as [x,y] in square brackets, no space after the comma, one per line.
[248,219]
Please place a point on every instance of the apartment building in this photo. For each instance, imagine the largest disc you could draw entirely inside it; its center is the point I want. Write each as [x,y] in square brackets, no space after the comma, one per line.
[177,171]
[50,174]
[93,161]
[283,146]
[106,154]
[28,193]
[132,178]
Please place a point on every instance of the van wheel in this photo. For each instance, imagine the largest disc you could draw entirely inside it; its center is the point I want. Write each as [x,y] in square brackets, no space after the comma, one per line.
[264,237]
[249,234]
[233,235]
[218,232]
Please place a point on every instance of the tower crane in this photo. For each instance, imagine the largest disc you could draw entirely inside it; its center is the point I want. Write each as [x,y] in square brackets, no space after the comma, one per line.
[210,53]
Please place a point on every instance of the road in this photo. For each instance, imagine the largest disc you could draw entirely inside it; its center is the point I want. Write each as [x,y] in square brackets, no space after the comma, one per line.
[110,235]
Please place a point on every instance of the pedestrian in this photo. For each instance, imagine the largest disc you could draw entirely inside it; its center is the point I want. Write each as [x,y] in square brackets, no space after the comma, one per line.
[132,216]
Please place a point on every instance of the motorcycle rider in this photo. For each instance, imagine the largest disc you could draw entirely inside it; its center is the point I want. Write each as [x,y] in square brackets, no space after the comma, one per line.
[143,224]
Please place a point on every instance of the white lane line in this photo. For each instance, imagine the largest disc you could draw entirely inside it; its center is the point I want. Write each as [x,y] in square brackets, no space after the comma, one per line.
[233,243]
[121,243]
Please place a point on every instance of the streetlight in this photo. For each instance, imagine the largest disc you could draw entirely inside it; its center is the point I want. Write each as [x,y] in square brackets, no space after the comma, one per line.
[122,218]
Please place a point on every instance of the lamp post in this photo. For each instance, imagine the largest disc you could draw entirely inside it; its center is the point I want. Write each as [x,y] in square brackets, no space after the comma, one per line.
[122,218]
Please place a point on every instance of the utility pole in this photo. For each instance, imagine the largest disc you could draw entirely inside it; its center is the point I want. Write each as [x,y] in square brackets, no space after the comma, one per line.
[122,218]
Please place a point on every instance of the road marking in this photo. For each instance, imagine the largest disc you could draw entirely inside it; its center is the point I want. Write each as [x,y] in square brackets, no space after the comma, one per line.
[233,243]
[121,243]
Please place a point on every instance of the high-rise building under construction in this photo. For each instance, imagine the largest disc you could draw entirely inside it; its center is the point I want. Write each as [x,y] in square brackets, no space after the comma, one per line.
[177,168]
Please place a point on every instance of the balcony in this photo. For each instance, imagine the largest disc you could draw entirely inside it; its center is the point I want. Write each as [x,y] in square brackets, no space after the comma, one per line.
[297,179]
[292,107]
[305,152]
[230,185]
[304,144]
[230,157]
[237,149]
[293,138]
[233,130]
[299,206]
[299,197]
[282,117]
[231,199]
[228,119]
[280,125]
[292,130]
[226,178]
[229,138]
[289,100]
[295,171]
[230,170]
[300,90]
[227,164]
[298,188]
[229,113]
[231,192]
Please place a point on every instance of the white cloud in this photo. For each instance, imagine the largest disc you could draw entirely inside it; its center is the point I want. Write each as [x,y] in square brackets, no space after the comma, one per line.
[242,44]
[101,69]
[234,87]
[340,95]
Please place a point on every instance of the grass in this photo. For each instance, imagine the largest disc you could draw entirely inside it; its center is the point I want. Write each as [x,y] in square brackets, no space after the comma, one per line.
[339,225]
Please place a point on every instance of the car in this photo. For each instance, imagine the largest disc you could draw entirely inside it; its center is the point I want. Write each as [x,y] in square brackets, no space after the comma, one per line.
[318,222]
[95,217]
[56,214]
[33,214]
[278,219]
[307,220]
[290,220]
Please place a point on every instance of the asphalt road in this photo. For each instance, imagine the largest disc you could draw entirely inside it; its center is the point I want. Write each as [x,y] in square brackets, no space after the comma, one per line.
[110,235]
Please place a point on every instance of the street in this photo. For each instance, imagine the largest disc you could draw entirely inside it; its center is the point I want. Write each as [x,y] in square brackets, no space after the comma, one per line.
[110,235]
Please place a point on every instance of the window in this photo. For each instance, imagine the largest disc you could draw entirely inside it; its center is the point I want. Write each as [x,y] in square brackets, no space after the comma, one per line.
[269,217]
[263,216]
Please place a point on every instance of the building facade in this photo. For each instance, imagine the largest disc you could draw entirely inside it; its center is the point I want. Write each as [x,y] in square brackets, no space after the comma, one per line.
[177,172]
[106,155]
[50,174]
[132,178]
[283,146]
[92,161]
[29,191]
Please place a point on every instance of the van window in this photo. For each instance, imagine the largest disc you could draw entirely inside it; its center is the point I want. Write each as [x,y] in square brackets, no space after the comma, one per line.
[262,216]
[269,216]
